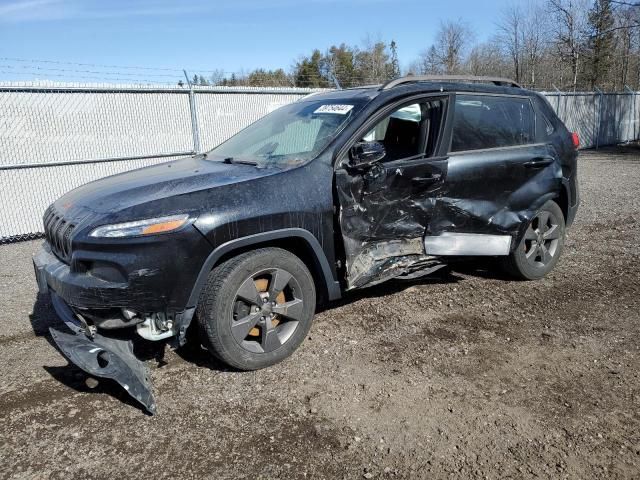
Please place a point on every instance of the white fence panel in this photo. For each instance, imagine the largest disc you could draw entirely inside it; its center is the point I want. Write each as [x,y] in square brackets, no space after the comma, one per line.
[63,126]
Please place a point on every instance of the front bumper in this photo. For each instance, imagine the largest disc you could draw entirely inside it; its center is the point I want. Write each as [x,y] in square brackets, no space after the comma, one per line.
[96,352]
[102,355]
[77,289]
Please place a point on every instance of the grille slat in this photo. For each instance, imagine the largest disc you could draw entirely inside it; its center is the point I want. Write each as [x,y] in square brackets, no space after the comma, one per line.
[58,233]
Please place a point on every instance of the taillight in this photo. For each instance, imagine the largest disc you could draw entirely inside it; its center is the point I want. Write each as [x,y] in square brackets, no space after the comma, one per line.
[576,140]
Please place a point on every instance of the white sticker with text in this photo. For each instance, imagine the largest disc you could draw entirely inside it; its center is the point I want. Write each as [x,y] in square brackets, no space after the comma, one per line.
[337,109]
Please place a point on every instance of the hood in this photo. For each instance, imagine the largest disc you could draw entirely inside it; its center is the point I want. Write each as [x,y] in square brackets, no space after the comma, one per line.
[148,185]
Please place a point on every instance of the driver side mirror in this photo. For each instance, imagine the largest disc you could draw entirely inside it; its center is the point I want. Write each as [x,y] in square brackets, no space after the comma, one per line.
[363,154]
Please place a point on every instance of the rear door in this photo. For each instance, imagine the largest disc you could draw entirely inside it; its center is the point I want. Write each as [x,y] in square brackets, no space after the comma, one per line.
[386,206]
[497,173]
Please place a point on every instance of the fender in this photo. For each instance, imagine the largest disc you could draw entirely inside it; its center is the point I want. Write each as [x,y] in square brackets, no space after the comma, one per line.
[334,291]
[539,202]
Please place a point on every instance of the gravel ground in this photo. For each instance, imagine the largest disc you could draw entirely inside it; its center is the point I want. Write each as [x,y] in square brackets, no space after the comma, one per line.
[463,375]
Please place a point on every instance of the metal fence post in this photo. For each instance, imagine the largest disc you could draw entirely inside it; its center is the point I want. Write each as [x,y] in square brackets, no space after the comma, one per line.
[634,121]
[195,131]
[598,113]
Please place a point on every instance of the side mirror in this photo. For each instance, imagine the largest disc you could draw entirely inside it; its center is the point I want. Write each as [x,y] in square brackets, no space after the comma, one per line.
[366,153]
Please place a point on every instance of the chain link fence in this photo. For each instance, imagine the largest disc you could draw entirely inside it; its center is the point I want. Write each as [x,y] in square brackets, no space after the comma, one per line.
[54,138]
[599,118]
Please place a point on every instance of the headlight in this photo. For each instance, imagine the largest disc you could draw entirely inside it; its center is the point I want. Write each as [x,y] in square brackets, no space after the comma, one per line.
[138,228]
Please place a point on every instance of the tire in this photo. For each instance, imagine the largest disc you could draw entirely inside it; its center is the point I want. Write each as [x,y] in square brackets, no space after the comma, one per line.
[533,259]
[257,308]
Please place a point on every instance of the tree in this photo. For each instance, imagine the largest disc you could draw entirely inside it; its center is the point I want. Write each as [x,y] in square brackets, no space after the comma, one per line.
[349,65]
[487,59]
[307,72]
[339,63]
[540,43]
[601,41]
[625,22]
[372,63]
[569,26]
[511,27]
[216,77]
[268,78]
[534,38]
[447,54]
[394,65]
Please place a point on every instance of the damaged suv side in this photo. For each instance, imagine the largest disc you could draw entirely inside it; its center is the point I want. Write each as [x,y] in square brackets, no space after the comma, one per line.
[338,191]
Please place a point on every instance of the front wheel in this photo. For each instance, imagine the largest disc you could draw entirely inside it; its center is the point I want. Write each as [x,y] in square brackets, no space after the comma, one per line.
[257,308]
[541,245]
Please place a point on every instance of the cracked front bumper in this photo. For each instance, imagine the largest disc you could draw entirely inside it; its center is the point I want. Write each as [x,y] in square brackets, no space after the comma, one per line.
[103,356]
[97,353]
[108,357]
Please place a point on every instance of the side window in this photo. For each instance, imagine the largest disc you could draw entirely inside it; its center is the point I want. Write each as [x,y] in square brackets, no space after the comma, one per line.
[482,122]
[409,131]
[548,126]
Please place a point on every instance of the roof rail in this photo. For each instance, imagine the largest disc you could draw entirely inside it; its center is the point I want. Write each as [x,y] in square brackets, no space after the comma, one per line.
[505,82]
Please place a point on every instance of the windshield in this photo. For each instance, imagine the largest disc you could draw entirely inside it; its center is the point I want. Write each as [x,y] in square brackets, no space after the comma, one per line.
[291,135]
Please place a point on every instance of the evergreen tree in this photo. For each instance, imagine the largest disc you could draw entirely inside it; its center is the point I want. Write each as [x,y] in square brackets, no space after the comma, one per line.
[308,72]
[394,66]
[339,62]
[601,42]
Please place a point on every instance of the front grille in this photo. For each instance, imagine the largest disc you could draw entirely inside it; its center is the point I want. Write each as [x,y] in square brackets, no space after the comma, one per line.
[58,232]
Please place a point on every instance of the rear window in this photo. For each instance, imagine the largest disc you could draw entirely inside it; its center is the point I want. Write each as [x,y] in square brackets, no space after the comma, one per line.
[482,122]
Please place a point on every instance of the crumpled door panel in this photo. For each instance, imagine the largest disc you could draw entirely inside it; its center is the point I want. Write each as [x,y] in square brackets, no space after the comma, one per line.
[383,215]
[386,214]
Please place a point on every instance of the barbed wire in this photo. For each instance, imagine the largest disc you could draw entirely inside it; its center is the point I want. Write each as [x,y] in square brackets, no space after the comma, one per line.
[16,68]
[44,69]
[58,62]
[199,71]
[85,77]
[244,80]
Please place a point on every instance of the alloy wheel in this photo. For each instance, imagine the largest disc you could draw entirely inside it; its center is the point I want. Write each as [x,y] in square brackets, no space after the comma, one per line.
[541,239]
[267,309]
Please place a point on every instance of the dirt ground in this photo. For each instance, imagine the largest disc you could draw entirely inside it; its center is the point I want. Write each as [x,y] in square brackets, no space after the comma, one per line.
[465,375]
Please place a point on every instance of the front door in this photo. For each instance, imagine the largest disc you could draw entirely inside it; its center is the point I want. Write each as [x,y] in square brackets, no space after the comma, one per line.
[386,206]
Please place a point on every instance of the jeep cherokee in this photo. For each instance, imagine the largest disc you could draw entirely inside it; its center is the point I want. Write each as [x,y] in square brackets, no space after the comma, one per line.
[337,191]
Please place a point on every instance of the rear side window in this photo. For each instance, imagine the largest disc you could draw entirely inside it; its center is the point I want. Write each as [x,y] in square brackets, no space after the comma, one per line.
[482,122]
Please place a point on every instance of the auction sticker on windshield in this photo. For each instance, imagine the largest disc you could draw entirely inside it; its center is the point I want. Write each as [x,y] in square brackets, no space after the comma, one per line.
[337,109]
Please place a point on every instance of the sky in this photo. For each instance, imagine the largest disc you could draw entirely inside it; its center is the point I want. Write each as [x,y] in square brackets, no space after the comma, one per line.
[200,35]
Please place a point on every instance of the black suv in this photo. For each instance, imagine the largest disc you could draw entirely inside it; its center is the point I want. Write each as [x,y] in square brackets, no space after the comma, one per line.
[337,191]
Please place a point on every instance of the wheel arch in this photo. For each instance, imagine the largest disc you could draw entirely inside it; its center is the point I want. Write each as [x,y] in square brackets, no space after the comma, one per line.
[563,201]
[298,241]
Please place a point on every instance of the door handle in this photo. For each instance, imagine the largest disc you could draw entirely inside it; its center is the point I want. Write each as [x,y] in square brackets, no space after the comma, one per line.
[539,162]
[426,180]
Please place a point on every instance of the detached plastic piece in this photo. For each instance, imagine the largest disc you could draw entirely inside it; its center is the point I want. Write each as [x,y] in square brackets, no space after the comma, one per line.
[108,357]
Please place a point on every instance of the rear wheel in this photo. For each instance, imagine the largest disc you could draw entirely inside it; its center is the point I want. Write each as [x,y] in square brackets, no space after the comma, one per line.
[541,245]
[257,308]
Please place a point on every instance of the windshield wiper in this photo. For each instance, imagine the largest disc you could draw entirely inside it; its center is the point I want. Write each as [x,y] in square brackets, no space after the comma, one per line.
[230,160]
